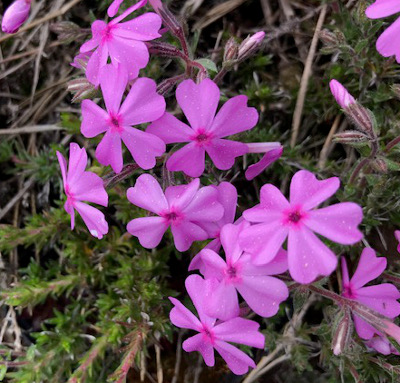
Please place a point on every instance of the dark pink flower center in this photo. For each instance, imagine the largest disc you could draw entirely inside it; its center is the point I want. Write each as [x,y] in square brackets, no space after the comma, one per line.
[115,123]
[232,273]
[294,216]
[208,334]
[202,137]
[349,292]
[106,34]
[173,217]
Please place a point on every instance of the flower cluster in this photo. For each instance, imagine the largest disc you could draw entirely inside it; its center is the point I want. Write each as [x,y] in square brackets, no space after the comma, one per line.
[246,254]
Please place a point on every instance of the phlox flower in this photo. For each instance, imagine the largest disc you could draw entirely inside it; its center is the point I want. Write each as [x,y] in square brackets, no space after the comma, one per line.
[80,185]
[142,104]
[381,298]
[15,15]
[341,94]
[277,219]
[182,208]
[206,129]
[238,274]
[123,43]
[388,43]
[212,334]
[382,345]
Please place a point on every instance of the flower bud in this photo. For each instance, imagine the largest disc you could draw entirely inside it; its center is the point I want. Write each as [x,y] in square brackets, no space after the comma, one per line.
[163,49]
[342,333]
[351,137]
[67,31]
[362,118]
[328,38]
[81,60]
[250,45]
[396,90]
[380,165]
[83,89]
[341,94]
[15,15]
[231,51]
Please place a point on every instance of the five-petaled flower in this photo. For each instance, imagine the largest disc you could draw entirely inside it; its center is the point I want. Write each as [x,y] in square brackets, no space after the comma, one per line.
[381,298]
[142,104]
[212,334]
[277,219]
[254,283]
[199,103]
[183,208]
[80,185]
[124,43]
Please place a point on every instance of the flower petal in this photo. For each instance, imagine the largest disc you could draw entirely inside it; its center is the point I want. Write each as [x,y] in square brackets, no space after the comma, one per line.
[170,129]
[269,157]
[180,196]
[337,222]
[109,151]
[369,267]
[211,264]
[77,163]
[382,8]
[149,230]
[89,187]
[204,347]
[96,61]
[63,167]
[227,197]
[199,102]
[388,42]
[186,233]
[230,241]
[308,192]
[144,28]
[241,331]
[308,256]
[277,266]
[97,28]
[93,218]
[190,159]
[364,329]
[94,119]
[234,117]
[147,194]
[113,82]
[224,152]
[143,146]
[223,303]
[181,317]
[263,294]
[237,360]
[263,241]
[143,103]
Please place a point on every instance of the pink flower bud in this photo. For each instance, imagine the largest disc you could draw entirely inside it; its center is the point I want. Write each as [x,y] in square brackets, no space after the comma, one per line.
[342,333]
[341,94]
[250,45]
[15,15]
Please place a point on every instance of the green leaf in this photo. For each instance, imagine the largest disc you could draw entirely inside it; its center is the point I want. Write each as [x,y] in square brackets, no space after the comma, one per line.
[208,64]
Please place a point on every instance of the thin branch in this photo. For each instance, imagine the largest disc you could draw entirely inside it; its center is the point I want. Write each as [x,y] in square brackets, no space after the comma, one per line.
[30,129]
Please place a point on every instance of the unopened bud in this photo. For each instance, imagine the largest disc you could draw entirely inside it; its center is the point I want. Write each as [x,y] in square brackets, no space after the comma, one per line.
[379,164]
[341,94]
[163,49]
[15,15]
[250,45]
[231,51]
[396,90]
[170,21]
[82,89]
[328,38]
[362,118]
[342,333]
[81,60]
[67,31]
[351,137]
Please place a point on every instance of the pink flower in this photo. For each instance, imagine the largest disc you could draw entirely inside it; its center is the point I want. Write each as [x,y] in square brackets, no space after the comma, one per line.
[199,103]
[79,186]
[183,208]
[273,151]
[382,345]
[381,298]
[238,274]
[341,94]
[142,104]
[388,44]
[212,334]
[277,219]
[122,42]
[15,15]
